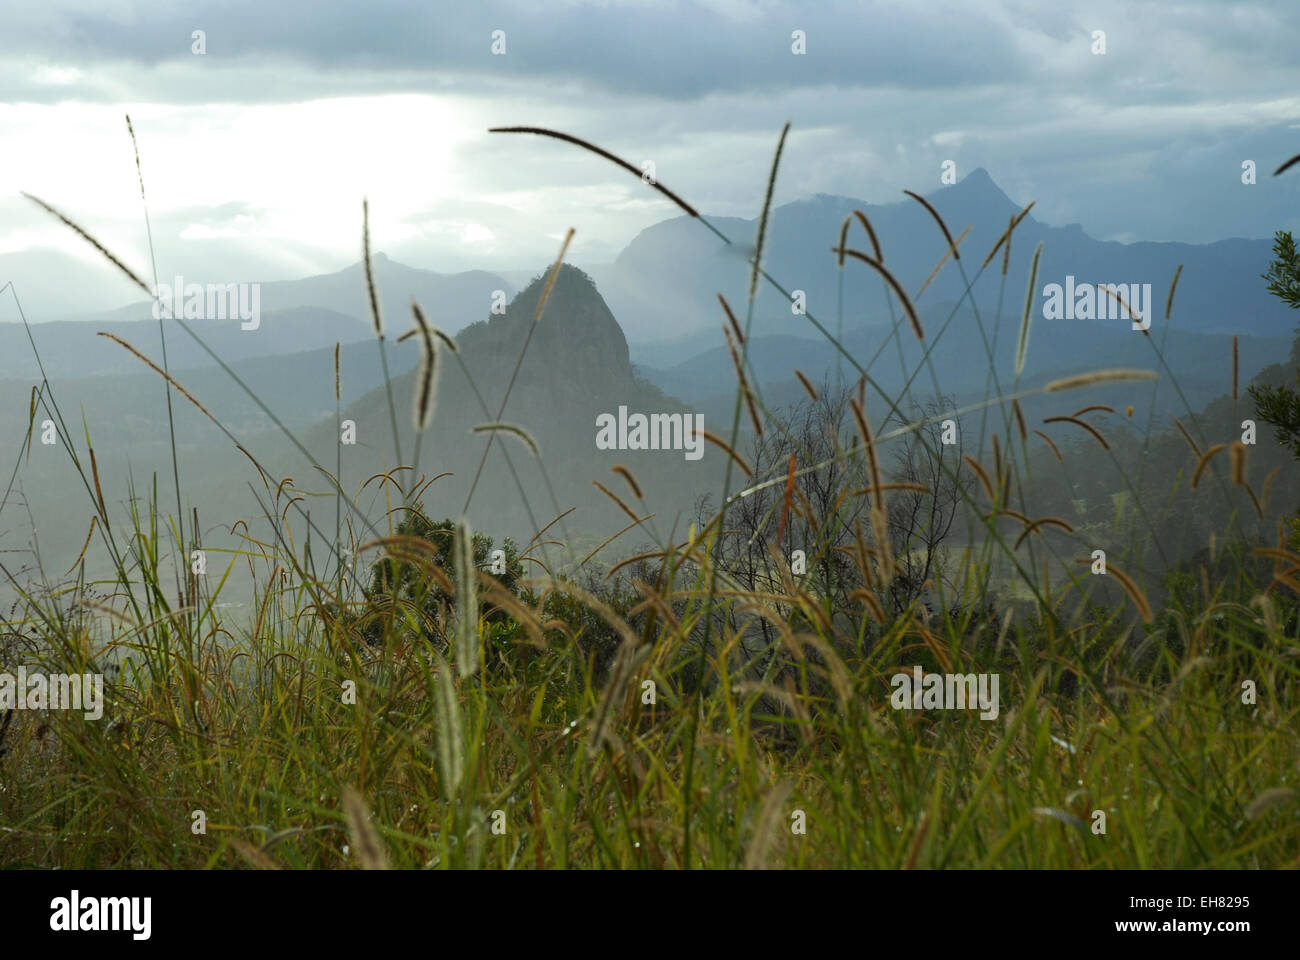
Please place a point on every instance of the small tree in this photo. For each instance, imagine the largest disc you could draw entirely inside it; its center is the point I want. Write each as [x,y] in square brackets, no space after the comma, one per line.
[1278,405]
[920,522]
[403,584]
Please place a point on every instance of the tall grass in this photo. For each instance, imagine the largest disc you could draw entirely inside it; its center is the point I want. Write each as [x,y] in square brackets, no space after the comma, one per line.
[628,719]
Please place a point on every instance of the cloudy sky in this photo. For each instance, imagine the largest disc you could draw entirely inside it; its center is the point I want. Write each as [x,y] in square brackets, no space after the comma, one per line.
[257,151]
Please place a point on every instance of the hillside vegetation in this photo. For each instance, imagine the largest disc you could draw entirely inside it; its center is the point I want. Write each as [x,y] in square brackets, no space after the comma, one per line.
[726,688]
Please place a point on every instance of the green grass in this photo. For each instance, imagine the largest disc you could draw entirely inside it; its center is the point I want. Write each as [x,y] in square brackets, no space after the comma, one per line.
[257,735]
[641,725]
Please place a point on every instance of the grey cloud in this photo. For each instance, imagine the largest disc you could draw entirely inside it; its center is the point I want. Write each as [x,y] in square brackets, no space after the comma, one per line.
[1145,142]
[669,49]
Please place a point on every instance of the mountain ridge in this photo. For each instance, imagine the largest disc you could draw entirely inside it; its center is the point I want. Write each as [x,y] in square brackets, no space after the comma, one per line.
[665,281]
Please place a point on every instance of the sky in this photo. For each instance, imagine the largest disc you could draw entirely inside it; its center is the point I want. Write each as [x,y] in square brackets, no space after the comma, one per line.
[257,149]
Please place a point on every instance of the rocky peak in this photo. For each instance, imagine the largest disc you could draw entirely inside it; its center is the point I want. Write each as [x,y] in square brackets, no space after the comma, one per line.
[577,333]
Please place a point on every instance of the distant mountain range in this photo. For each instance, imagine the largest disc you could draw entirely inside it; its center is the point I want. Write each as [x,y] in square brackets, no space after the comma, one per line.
[663,290]
[642,333]
[665,282]
[1201,362]
[576,368]
[297,316]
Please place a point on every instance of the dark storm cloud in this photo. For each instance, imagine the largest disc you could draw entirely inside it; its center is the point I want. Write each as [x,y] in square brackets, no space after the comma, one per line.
[669,49]
[1145,142]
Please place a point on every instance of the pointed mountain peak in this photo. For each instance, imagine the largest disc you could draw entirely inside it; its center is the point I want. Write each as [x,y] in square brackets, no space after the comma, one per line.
[978,183]
[577,330]
[378,259]
[571,281]
[977,193]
